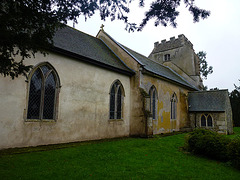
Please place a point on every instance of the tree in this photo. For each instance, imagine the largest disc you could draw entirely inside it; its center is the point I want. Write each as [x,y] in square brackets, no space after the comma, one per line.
[28,26]
[205,70]
[235,103]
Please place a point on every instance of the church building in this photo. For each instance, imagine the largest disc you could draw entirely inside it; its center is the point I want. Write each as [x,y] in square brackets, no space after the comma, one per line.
[89,88]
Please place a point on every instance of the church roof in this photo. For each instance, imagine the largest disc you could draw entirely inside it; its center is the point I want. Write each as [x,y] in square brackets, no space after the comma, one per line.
[84,47]
[208,101]
[154,67]
[159,69]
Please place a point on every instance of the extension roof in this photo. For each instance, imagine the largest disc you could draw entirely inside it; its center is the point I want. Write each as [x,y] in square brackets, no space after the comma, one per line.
[208,101]
[76,44]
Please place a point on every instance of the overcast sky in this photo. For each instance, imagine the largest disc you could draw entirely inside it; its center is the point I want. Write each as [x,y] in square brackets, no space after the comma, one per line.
[218,35]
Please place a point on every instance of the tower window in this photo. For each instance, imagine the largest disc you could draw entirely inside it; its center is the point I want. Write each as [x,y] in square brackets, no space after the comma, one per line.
[167,57]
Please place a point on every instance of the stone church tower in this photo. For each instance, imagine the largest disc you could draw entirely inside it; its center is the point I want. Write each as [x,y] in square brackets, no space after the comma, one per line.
[179,55]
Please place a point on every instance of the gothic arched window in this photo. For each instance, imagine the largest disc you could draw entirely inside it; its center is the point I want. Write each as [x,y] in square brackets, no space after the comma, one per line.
[153,101]
[174,106]
[43,93]
[116,100]
[206,120]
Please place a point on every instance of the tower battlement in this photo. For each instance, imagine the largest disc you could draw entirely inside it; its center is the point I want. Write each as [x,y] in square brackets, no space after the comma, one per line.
[171,44]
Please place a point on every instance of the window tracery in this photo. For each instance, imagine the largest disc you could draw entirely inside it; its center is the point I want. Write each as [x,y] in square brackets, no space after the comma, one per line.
[43,93]
[116,100]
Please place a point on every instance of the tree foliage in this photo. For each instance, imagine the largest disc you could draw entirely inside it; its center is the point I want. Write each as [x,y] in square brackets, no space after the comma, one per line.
[205,70]
[165,12]
[28,26]
[235,103]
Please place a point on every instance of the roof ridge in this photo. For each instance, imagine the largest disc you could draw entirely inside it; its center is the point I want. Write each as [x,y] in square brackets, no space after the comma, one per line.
[117,56]
[166,67]
[146,59]
[209,91]
[122,46]
[82,46]
[80,31]
[182,78]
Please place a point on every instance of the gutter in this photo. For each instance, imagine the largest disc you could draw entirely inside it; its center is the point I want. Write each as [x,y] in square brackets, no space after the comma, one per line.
[91,61]
[145,71]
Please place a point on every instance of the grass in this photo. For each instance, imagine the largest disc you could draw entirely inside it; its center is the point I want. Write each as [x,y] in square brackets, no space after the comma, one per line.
[236,131]
[128,158]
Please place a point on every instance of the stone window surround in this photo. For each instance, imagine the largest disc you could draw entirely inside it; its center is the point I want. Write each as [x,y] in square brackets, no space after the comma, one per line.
[166,57]
[174,101]
[153,102]
[57,91]
[206,117]
[118,85]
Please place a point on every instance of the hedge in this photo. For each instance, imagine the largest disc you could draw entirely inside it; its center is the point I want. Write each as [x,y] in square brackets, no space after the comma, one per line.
[212,145]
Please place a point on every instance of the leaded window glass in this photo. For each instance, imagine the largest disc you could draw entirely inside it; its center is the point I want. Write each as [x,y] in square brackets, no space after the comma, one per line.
[209,121]
[174,106]
[34,100]
[42,93]
[206,120]
[153,101]
[112,102]
[203,121]
[49,97]
[119,104]
[116,101]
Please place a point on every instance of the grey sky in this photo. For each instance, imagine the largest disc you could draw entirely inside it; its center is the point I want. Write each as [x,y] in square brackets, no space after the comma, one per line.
[218,35]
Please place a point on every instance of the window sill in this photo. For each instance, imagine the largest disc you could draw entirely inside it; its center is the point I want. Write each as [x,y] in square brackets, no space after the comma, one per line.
[40,120]
[207,127]
[115,121]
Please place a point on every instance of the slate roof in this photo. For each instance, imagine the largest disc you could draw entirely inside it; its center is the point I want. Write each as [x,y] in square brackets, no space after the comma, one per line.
[79,45]
[207,101]
[159,69]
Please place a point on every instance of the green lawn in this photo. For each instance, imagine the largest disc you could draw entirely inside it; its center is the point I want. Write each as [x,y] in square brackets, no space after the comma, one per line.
[236,131]
[129,158]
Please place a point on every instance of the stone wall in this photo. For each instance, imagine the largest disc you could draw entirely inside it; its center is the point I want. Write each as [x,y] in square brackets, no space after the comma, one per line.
[138,120]
[183,59]
[219,121]
[163,122]
[83,112]
[229,116]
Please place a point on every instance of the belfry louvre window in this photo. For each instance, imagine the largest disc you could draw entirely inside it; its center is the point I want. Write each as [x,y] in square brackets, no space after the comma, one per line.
[116,100]
[206,120]
[43,93]
[174,106]
[167,57]
[153,101]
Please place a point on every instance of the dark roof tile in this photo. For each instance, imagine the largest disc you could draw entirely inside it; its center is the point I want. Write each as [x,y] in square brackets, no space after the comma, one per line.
[203,101]
[79,43]
[159,69]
